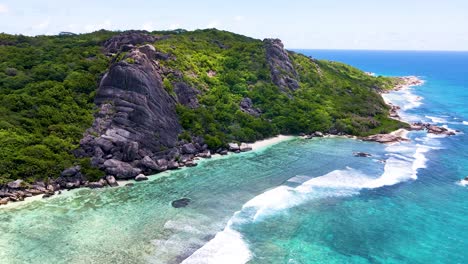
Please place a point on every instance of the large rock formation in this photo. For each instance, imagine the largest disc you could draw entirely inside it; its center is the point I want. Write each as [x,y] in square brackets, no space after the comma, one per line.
[282,70]
[136,128]
[136,117]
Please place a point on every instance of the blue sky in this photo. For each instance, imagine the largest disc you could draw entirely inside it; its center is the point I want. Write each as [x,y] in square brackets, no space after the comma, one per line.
[325,24]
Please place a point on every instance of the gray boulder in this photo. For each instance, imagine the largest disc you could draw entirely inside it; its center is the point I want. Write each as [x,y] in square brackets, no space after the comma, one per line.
[120,169]
[233,146]
[149,163]
[205,154]
[15,184]
[189,149]
[72,171]
[111,181]
[246,106]
[141,177]
[245,147]
[172,165]
[318,134]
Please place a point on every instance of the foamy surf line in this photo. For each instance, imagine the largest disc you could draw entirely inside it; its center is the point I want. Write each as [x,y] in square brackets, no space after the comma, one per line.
[403,162]
[228,246]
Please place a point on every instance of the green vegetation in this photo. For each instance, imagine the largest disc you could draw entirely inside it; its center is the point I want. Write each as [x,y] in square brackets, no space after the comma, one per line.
[228,67]
[48,83]
[47,87]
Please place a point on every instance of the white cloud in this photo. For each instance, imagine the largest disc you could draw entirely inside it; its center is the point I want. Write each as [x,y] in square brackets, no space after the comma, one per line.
[94,27]
[238,18]
[148,26]
[212,24]
[174,26]
[42,25]
[4,9]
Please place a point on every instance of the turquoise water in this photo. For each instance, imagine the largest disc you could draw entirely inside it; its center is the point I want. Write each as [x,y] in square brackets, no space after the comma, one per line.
[300,201]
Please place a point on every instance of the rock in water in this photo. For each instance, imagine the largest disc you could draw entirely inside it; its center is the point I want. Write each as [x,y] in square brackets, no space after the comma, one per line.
[181,203]
[384,138]
[111,181]
[361,154]
[141,177]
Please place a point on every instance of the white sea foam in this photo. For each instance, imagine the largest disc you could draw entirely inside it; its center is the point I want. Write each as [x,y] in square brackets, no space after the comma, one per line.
[465,123]
[403,162]
[227,247]
[437,120]
[462,182]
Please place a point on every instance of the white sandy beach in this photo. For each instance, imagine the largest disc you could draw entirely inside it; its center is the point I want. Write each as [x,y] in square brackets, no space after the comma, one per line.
[270,141]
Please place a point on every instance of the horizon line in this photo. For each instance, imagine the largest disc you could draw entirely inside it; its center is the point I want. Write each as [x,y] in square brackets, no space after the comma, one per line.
[381,50]
[168,30]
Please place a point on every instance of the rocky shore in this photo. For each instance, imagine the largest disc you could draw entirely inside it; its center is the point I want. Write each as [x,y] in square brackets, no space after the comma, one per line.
[72,177]
[399,135]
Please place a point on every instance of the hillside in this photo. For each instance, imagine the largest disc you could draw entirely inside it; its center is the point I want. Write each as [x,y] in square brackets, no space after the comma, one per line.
[114,105]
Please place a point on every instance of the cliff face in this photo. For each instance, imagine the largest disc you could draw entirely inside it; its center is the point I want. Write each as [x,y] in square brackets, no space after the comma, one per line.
[136,128]
[282,70]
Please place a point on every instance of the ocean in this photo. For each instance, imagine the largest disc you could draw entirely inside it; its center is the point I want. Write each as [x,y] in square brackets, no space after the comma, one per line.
[299,201]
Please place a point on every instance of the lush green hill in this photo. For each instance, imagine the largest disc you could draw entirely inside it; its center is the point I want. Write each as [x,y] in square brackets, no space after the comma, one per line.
[48,84]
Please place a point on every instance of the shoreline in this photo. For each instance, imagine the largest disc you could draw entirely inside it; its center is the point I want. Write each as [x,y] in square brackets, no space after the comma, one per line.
[255,146]
[268,142]
[400,135]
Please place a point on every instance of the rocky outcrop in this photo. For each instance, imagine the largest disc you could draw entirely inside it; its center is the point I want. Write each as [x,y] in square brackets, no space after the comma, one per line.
[245,147]
[385,138]
[186,94]
[246,106]
[128,40]
[234,147]
[432,129]
[137,122]
[282,70]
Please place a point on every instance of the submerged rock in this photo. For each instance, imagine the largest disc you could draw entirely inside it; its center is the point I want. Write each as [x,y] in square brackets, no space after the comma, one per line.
[183,202]
[95,185]
[362,154]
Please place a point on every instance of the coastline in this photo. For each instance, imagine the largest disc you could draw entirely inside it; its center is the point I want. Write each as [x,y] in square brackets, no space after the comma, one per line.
[399,135]
[255,146]
[264,143]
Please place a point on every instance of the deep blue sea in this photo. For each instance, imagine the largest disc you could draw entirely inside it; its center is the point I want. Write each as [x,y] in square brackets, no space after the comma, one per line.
[299,201]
